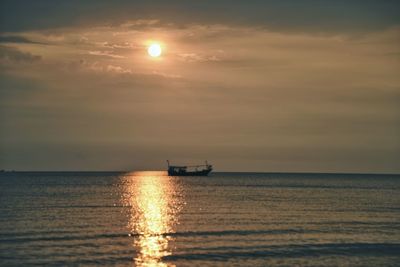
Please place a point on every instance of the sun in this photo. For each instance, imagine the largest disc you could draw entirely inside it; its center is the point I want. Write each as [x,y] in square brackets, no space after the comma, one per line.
[154,50]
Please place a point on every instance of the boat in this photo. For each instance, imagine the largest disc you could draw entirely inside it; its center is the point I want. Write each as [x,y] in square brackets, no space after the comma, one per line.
[190,170]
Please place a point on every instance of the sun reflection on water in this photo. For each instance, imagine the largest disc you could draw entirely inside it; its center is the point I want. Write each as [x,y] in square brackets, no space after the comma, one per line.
[154,201]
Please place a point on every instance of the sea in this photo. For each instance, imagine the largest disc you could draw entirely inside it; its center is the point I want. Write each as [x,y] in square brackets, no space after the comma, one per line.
[226,219]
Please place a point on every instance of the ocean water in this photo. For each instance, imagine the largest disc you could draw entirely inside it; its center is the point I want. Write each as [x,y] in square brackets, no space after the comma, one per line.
[227,219]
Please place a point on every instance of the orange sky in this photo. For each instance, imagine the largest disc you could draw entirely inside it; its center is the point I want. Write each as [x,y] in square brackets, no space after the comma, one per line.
[245,96]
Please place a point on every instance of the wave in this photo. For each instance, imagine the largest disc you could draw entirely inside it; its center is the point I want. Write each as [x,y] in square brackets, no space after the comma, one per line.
[289,251]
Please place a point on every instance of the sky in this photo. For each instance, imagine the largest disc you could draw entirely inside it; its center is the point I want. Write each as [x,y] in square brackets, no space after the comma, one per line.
[264,86]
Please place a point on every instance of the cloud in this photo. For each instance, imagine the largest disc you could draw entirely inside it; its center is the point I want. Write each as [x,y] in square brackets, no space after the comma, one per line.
[105,54]
[194,57]
[120,45]
[166,75]
[15,55]
[139,23]
[16,39]
[98,67]
[117,69]
[293,16]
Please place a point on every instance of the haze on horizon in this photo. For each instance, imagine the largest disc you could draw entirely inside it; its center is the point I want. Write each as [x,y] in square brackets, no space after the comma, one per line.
[289,86]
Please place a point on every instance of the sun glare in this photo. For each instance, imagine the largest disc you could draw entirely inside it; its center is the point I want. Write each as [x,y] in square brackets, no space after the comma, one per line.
[154,50]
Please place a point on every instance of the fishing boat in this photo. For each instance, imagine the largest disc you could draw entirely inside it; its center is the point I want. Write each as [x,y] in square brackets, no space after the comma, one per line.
[190,170]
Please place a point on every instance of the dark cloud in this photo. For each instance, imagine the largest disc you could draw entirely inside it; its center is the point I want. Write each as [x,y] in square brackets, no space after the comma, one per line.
[15,55]
[16,39]
[306,15]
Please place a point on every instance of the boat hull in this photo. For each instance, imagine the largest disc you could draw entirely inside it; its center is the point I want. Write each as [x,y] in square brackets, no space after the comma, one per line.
[186,173]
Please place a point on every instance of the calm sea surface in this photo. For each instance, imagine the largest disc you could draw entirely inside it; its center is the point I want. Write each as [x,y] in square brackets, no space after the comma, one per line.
[227,219]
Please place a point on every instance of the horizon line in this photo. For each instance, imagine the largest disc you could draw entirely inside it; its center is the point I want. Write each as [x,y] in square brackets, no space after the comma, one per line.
[244,172]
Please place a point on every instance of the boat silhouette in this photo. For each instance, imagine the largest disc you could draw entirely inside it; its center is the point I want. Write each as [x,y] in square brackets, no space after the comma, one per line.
[189,170]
